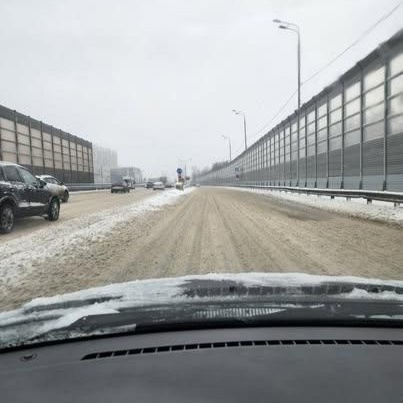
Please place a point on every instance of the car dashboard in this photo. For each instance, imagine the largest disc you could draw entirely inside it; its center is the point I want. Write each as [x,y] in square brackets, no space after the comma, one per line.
[267,364]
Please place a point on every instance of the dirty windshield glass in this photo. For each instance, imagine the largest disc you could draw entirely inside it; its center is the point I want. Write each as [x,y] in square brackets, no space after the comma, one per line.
[246,154]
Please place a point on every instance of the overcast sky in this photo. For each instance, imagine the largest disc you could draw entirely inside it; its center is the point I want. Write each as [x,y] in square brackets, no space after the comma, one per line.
[157,79]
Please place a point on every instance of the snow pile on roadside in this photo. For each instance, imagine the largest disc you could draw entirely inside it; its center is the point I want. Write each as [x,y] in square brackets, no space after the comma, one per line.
[20,256]
[378,210]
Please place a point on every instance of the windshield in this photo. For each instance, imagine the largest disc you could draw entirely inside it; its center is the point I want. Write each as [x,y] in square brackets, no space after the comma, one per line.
[215,161]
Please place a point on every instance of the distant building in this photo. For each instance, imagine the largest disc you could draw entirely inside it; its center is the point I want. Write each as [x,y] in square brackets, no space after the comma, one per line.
[105,160]
[117,174]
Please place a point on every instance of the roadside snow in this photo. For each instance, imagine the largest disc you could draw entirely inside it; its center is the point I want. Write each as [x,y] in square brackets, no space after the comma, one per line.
[54,240]
[378,210]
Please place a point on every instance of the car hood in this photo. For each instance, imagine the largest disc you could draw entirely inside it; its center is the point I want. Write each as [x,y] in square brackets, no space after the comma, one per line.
[43,315]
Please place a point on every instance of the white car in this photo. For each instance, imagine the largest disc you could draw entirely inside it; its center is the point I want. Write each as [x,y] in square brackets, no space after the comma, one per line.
[158,186]
[56,187]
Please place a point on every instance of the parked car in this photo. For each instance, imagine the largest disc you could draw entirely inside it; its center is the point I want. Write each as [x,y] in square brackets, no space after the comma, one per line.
[149,185]
[158,186]
[57,187]
[22,195]
[120,187]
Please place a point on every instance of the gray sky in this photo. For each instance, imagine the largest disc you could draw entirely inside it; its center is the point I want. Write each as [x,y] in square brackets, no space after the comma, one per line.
[157,79]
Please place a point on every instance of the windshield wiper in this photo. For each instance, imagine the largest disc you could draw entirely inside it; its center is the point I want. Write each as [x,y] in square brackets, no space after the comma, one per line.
[208,315]
[227,288]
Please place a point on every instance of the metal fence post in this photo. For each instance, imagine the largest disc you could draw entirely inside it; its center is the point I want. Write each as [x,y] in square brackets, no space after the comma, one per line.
[16,137]
[361,125]
[306,147]
[30,144]
[316,142]
[298,128]
[53,151]
[327,138]
[290,148]
[342,135]
[61,149]
[43,150]
[385,135]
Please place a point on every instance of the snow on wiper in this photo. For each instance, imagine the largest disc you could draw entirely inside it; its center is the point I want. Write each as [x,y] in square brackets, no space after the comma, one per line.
[225,288]
[47,314]
[244,313]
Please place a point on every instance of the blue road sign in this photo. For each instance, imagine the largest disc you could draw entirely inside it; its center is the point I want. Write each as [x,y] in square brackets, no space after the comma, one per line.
[179,171]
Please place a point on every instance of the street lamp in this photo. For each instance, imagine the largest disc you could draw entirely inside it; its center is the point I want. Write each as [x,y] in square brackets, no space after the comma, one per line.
[295,28]
[237,112]
[229,143]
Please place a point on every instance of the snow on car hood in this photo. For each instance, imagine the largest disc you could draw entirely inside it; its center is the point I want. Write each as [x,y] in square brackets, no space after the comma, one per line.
[46,314]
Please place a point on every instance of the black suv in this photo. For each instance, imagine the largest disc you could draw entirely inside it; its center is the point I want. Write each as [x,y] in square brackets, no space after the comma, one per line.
[21,195]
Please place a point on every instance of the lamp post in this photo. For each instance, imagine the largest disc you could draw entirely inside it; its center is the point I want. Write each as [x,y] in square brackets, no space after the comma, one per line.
[229,143]
[295,28]
[238,112]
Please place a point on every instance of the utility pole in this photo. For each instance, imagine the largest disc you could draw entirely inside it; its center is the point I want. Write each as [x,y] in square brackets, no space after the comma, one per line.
[229,143]
[238,112]
[295,28]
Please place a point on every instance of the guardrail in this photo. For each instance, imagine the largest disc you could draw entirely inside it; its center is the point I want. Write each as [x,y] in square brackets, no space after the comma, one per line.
[368,195]
[75,187]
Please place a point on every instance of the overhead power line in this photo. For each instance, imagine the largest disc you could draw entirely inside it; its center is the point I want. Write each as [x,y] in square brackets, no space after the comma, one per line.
[363,35]
[327,65]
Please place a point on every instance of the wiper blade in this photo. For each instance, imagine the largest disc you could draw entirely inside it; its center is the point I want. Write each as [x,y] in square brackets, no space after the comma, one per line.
[143,302]
[228,288]
[206,314]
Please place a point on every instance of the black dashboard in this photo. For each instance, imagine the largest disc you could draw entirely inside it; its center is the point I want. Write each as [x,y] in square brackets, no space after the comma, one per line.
[271,364]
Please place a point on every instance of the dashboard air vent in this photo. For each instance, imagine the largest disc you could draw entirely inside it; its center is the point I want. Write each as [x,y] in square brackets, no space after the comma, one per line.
[243,343]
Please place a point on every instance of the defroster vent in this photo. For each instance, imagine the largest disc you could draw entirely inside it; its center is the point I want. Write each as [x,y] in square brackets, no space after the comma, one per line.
[243,343]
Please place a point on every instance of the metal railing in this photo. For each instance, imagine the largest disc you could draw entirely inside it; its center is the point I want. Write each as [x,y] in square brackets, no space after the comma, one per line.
[76,187]
[369,195]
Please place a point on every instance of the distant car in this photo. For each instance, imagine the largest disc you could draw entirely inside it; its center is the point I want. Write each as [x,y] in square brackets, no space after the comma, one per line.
[149,185]
[120,187]
[23,195]
[130,182]
[158,186]
[169,185]
[197,185]
[56,187]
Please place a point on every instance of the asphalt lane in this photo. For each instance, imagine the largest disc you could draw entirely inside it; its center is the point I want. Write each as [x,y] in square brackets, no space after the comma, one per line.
[210,230]
[79,204]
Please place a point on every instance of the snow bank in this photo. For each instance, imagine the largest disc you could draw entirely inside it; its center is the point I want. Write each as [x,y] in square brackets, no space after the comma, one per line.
[378,210]
[20,256]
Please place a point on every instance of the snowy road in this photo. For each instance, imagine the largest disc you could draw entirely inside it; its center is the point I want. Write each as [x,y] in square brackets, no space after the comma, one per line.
[199,231]
[79,204]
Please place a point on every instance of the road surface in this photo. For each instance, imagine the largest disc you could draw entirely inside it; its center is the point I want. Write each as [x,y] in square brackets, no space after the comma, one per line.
[219,230]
